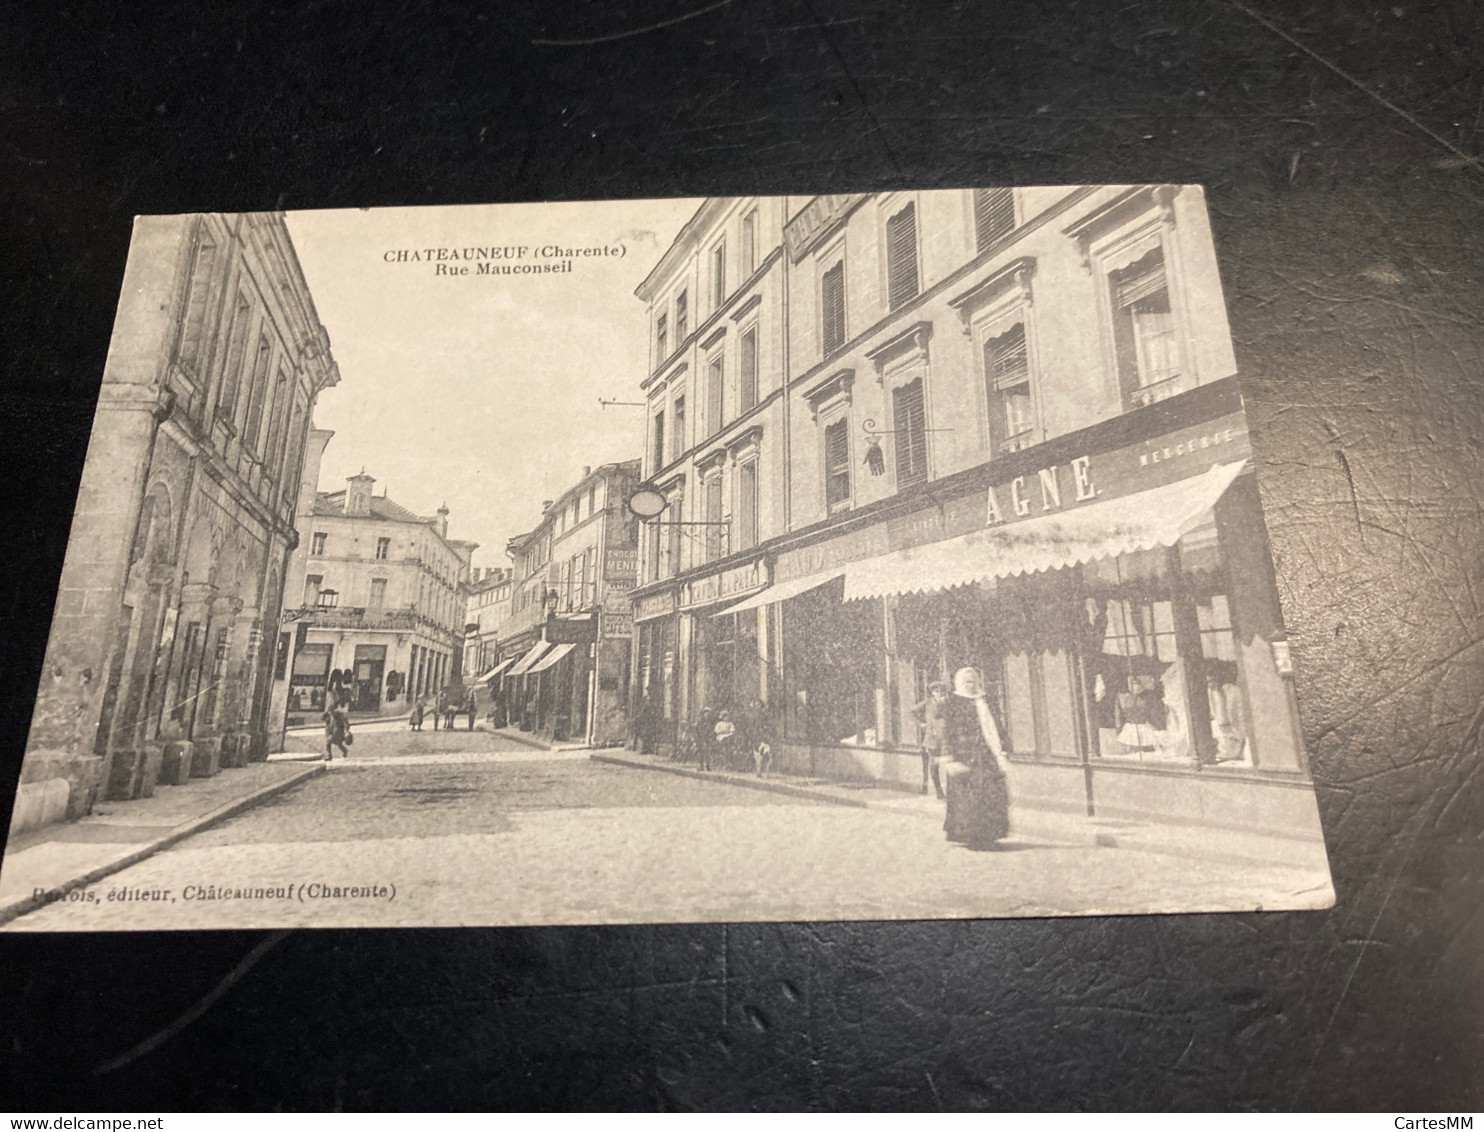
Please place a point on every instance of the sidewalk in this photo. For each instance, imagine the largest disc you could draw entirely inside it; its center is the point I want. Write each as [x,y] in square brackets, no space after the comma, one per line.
[516,735]
[1027,821]
[58,858]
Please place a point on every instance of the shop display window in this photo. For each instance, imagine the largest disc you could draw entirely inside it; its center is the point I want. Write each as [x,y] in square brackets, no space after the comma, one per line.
[836,651]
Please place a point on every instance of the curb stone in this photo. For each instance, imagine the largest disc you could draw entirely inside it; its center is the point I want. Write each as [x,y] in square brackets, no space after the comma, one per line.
[19,906]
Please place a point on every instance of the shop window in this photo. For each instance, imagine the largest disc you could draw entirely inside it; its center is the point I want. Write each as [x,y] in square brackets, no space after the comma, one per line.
[682,317]
[832,308]
[747,505]
[901,257]
[661,340]
[1145,341]
[994,216]
[747,377]
[837,465]
[839,647]
[1008,389]
[909,422]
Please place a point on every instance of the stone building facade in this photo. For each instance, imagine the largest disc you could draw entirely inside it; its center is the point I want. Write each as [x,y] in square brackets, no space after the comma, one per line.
[381,603]
[158,666]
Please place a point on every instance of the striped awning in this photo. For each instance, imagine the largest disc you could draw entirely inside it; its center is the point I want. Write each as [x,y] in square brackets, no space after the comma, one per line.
[1141,521]
[524,664]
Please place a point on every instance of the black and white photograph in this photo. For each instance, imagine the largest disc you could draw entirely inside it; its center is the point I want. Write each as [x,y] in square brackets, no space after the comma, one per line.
[868,556]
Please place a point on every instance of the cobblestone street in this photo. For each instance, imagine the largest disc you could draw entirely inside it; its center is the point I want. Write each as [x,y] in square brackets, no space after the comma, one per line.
[454,828]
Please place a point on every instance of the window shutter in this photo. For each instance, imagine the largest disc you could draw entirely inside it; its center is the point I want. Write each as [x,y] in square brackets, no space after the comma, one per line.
[901,256]
[713,395]
[748,391]
[1140,279]
[1008,363]
[994,215]
[910,424]
[746,505]
[836,463]
[832,303]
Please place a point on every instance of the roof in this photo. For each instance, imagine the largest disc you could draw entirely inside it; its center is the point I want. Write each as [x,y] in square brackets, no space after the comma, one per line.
[332,504]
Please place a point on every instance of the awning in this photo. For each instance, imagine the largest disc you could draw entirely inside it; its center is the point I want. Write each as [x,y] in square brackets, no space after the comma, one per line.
[525,662]
[781,591]
[496,670]
[549,659]
[1142,521]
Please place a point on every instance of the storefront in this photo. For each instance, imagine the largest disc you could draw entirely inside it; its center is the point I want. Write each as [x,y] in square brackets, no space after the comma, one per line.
[655,703]
[1119,603]
[728,660]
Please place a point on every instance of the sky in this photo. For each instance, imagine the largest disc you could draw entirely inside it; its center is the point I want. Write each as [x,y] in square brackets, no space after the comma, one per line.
[482,391]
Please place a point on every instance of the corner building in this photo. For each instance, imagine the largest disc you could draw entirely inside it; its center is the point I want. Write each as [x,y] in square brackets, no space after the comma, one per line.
[1007,434]
[158,666]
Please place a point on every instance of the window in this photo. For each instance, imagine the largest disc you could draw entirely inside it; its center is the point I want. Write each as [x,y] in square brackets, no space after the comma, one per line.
[682,318]
[711,513]
[1145,343]
[193,325]
[901,257]
[910,425]
[715,373]
[257,390]
[719,275]
[673,540]
[277,411]
[994,216]
[226,406]
[837,465]
[658,457]
[677,444]
[1007,377]
[383,548]
[746,518]
[749,244]
[589,577]
[311,588]
[747,377]
[832,308]
[661,341]
[317,543]
[378,592]
[592,492]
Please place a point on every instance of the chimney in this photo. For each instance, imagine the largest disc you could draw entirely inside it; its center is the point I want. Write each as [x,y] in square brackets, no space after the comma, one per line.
[587,470]
[441,524]
[358,494]
[546,505]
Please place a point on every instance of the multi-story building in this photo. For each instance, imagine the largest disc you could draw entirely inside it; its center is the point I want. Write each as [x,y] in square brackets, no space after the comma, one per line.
[565,649]
[381,610]
[716,448]
[1014,441]
[487,610]
[157,668]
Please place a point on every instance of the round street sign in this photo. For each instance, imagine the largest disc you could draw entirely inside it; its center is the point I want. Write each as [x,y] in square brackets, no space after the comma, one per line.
[647,503]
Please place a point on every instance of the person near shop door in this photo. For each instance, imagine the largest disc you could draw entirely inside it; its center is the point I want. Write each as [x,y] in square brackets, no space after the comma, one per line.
[930,723]
[975,770]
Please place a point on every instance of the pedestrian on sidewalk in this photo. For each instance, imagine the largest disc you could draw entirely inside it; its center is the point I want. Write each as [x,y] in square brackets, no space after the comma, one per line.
[977,771]
[416,718]
[929,715]
[705,734]
[337,731]
[726,731]
[758,728]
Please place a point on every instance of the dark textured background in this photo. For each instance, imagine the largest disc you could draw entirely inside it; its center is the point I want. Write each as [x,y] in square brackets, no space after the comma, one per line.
[1351,245]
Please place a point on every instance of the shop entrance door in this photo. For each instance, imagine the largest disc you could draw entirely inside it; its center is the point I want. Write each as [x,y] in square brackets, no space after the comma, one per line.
[369,674]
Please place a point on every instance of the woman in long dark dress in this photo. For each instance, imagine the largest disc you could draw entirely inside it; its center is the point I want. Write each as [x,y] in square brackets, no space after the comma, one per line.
[978,796]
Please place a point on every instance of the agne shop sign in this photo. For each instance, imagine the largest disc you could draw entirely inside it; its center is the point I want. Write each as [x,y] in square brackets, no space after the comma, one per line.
[1075,482]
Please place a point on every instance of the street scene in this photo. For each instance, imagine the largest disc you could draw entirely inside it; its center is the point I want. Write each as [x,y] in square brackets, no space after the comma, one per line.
[866,556]
[476,828]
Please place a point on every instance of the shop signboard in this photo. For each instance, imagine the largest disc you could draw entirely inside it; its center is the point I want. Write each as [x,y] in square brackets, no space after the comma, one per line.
[654,605]
[737,582]
[621,565]
[821,556]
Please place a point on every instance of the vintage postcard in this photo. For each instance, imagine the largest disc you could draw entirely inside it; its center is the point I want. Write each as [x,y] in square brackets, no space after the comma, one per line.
[866,556]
